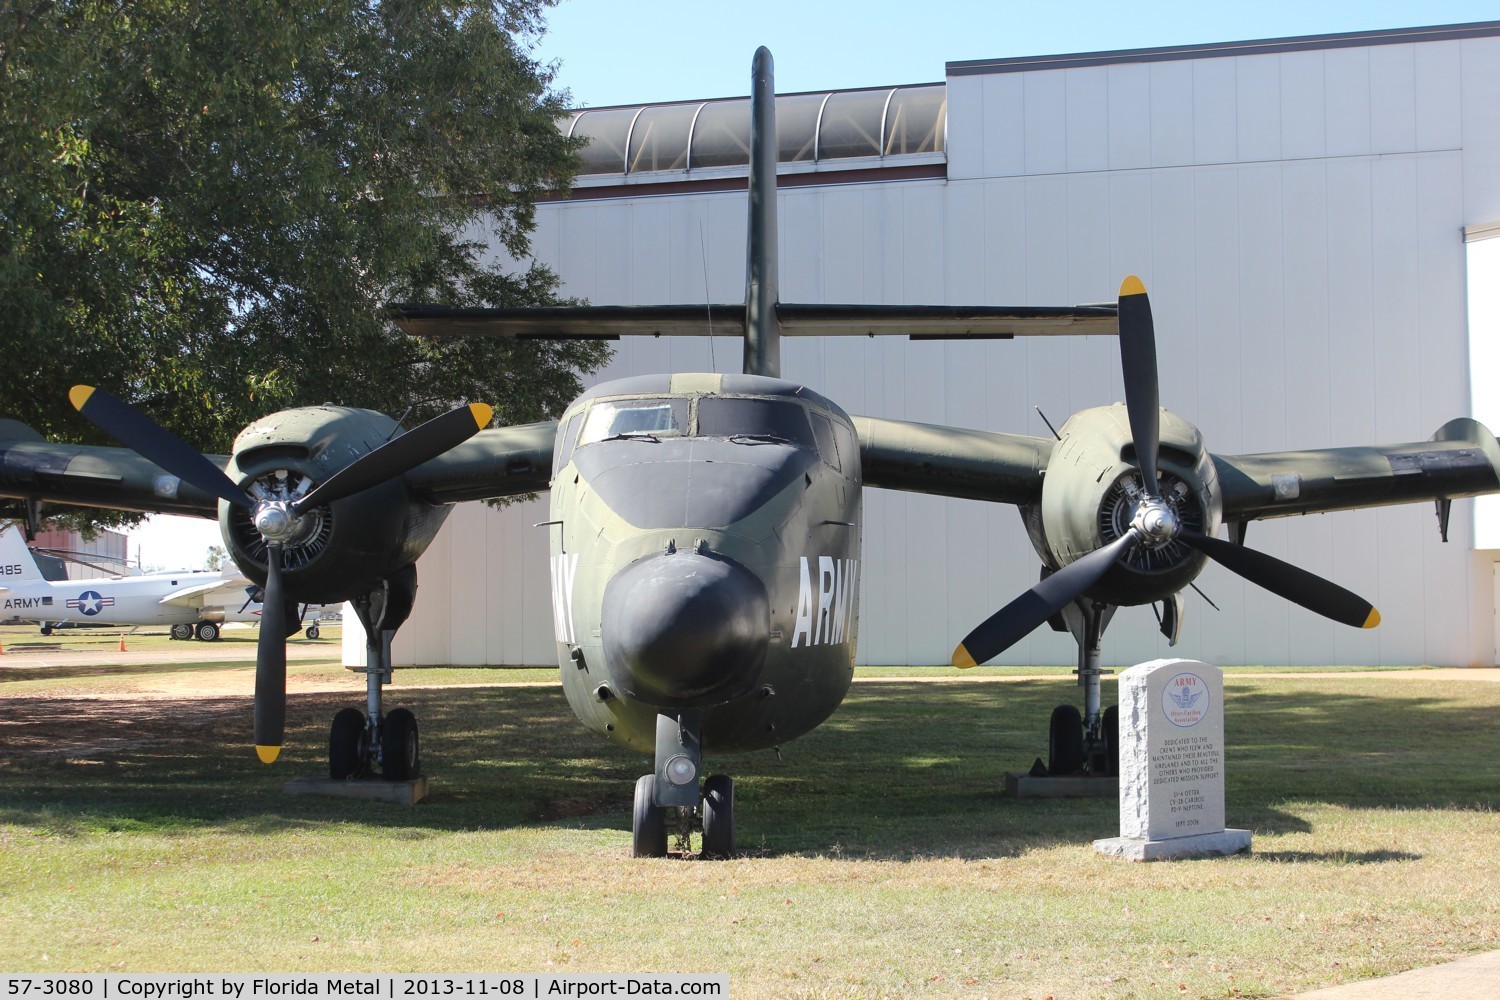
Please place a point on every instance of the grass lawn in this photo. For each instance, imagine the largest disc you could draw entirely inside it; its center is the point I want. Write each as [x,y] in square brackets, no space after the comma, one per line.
[880,858]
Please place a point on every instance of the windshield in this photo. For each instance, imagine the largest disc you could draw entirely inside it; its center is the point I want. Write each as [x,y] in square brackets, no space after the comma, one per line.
[720,416]
[645,418]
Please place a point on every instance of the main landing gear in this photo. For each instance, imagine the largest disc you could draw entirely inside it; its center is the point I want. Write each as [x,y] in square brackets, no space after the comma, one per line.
[1084,744]
[1088,743]
[204,631]
[362,743]
[670,797]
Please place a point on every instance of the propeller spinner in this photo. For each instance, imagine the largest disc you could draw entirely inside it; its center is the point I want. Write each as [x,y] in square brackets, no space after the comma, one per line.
[1154,523]
[277,520]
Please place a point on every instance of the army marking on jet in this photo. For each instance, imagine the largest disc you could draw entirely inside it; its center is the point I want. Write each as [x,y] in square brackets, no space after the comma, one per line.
[705,529]
[192,603]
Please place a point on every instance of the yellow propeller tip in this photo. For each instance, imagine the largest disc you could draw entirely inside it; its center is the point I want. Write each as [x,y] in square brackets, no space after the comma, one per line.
[961,658]
[482,413]
[267,755]
[79,395]
[1373,620]
[1132,286]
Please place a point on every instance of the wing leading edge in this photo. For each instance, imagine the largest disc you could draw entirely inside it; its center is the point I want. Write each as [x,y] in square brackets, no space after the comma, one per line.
[814,320]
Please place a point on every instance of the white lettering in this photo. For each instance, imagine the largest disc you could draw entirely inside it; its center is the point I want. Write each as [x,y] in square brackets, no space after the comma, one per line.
[802,631]
[564,569]
[826,582]
[828,618]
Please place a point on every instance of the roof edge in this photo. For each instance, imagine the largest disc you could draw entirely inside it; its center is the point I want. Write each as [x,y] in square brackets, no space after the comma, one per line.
[1214,50]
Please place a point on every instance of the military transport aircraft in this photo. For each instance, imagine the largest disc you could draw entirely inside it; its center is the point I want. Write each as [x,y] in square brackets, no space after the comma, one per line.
[192,603]
[705,529]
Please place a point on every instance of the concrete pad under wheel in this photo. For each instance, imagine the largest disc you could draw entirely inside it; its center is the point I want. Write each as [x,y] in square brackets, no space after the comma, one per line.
[1024,785]
[401,793]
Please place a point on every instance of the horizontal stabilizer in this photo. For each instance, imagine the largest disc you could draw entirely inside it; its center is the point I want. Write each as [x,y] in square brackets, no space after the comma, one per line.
[814,320]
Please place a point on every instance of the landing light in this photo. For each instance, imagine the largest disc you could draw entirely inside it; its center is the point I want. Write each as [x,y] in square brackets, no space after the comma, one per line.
[681,770]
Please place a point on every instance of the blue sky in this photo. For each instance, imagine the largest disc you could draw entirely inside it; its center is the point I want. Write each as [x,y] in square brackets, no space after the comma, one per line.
[646,51]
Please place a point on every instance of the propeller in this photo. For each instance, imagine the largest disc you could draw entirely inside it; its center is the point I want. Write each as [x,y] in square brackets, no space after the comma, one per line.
[1154,522]
[276,521]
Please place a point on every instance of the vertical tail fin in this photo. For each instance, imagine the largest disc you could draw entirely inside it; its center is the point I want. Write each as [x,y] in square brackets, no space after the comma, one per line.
[17,564]
[762,327]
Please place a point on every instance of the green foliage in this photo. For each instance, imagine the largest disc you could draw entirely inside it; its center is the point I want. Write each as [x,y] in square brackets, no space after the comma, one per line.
[205,207]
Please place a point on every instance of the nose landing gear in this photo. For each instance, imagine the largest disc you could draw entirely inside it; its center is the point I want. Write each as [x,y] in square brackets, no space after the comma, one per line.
[674,789]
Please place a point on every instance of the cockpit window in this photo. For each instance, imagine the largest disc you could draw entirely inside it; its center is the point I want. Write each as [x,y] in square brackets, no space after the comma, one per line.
[731,417]
[634,418]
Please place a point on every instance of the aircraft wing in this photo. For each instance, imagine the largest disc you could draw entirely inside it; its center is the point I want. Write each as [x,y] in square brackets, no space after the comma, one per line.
[501,462]
[951,461]
[1461,460]
[807,320]
[198,595]
[92,476]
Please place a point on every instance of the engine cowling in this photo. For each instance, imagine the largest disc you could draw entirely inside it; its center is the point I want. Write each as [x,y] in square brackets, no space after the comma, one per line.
[1090,492]
[340,550]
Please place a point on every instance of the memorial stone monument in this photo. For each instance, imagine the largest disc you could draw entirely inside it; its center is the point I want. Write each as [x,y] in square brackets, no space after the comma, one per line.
[1172,764]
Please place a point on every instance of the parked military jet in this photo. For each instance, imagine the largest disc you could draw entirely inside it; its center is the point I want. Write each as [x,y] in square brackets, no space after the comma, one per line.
[705,529]
[192,603]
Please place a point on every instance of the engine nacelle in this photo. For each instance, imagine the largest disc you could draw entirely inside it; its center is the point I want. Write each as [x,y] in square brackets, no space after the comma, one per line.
[1090,492]
[342,549]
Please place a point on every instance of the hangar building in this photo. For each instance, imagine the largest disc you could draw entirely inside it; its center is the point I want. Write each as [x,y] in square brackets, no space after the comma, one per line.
[1318,222]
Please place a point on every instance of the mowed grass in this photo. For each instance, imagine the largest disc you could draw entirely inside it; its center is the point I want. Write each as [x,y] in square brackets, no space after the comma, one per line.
[880,857]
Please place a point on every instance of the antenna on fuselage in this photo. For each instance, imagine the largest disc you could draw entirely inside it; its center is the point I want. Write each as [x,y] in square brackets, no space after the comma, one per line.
[762,325]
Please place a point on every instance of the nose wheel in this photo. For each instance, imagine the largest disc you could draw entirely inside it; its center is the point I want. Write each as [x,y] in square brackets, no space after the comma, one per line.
[671,796]
[712,819]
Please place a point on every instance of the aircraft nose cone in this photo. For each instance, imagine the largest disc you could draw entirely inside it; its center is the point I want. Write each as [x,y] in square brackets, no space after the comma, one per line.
[683,630]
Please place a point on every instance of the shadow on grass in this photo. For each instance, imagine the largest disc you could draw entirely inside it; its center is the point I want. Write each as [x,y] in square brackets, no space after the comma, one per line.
[1337,857]
[902,770]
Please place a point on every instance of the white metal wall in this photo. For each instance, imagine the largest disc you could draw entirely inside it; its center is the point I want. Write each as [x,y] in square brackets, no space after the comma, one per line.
[1298,221]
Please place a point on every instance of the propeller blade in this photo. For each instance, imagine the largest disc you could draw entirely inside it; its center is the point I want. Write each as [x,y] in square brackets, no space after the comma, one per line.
[1017,619]
[1138,364]
[150,440]
[1285,580]
[400,454]
[270,663]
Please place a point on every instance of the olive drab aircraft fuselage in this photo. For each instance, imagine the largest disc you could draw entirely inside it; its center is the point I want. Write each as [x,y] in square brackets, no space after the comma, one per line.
[705,554]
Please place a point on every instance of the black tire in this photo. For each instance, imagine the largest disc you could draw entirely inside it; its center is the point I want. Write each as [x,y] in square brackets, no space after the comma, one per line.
[1065,741]
[183,631]
[718,817]
[347,747]
[1111,725]
[47,629]
[312,631]
[648,824]
[207,632]
[400,750]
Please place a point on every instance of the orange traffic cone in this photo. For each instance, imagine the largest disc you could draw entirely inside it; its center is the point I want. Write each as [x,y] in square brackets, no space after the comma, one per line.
[122,644]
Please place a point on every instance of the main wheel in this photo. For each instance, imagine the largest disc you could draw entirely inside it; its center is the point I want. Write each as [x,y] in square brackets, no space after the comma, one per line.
[1065,741]
[312,631]
[648,824]
[718,817]
[47,629]
[183,631]
[1111,724]
[348,749]
[400,755]
[207,632]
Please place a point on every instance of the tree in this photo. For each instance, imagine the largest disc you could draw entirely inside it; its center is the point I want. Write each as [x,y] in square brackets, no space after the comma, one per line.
[207,206]
[216,558]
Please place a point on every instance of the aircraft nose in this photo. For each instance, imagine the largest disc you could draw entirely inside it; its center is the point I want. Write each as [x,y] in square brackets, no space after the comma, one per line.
[684,630]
